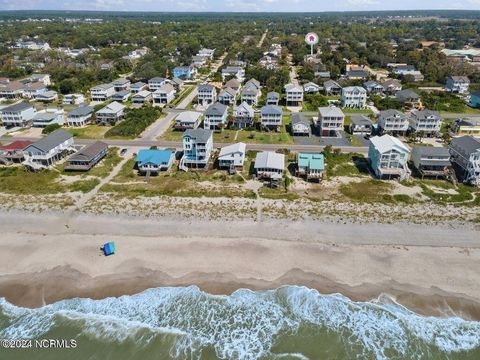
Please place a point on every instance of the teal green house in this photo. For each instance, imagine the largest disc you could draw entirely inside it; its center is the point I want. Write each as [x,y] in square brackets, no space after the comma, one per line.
[311,166]
[475,100]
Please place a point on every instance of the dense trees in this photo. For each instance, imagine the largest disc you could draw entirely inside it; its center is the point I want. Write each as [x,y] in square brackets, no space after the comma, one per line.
[136,121]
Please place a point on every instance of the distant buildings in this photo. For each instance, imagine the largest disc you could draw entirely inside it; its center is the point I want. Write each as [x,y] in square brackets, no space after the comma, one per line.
[273,98]
[457,84]
[410,99]
[185,72]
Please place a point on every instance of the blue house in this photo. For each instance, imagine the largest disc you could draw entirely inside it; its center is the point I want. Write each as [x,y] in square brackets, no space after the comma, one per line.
[475,100]
[184,72]
[311,166]
[154,161]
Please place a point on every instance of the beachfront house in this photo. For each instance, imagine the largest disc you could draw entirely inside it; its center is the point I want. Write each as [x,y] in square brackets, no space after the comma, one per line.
[110,114]
[80,116]
[271,117]
[300,125]
[188,120]
[426,121]
[45,152]
[164,95]
[232,157]
[431,161]
[273,98]
[206,94]
[393,122]
[388,157]
[13,152]
[87,157]
[354,97]
[50,116]
[197,149]
[19,115]
[102,92]
[465,152]
[244,115]
[293,95]
[360,125]
[154,161]
[330,121]
[269,165]
[457,84]
[310,166]
[215,117]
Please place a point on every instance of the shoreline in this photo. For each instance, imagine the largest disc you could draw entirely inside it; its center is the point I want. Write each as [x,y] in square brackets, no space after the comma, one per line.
[47,257]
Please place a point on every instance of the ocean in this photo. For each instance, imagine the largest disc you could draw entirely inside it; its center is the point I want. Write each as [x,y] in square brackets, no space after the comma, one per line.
[286,323]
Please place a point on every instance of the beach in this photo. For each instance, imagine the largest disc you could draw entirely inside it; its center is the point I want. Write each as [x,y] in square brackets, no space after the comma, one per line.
[433,270]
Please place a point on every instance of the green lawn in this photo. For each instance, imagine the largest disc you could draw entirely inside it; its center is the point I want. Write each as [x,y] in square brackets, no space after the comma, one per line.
[89,132]
[357,111]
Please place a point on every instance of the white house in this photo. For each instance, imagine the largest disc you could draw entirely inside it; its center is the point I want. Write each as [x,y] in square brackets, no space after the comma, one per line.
[73,99]
[457,84]
[207,94]
[49,116]
[121,84]
[80,116]
[110,114]
[354,97]
[311,88]
[197,148]
[250,94]
[142,97]
[188,120]
[137,87]
[465,153]
[227,96]
[215,116]
[388,157]
[330,121]
[273,98]
[232,156]
[427,121]
[102,92]
[244,115]
[294,94]
[208,53]
[46,151]
[156,83]
[271,117]
[164,95]
[269,165]
[19,114]
[236,71]
[48,96]
[34,89]
[393,121]
[300,125]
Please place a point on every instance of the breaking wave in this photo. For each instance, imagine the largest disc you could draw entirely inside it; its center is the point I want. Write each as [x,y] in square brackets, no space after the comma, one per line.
[248,325]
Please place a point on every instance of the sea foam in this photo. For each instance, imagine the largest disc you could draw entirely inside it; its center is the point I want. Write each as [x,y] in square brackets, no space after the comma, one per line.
[246,324]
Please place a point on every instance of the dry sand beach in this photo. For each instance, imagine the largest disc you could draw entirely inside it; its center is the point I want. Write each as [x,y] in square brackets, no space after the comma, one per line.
[433,270]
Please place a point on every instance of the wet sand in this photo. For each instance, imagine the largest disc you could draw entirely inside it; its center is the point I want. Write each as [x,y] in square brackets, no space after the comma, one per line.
[431,270]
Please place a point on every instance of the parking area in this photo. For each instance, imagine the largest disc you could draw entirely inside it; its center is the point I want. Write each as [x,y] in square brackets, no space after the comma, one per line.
[318,140]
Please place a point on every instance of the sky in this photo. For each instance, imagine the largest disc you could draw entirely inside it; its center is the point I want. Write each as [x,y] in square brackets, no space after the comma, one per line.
[238,5]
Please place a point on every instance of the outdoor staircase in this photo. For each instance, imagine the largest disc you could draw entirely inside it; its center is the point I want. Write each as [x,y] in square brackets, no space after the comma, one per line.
[29,164]
[406,174]
[4,161]
[451,176]
[182,165]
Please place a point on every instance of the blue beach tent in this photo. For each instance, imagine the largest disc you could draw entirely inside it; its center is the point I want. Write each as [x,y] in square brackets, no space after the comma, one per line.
[109,248]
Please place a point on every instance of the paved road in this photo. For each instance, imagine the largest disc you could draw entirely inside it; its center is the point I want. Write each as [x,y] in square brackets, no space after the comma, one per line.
[143,143]
[260,43]
[162,124]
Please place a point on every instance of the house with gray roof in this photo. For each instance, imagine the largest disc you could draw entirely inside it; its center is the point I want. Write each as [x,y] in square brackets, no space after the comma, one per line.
[271,117]
[156,83]
[87,157]
[373,87]
[46,117]
[215,116]
[206,94]
[332,88]
[465,152]
[300,125]
[227,96]
[431,161]
[269,165]
[354,97]
[19,114]
[426,121]
[45,152]
[293,94]
[393,122]
[102,92]
[80,116]
[330,121]
[142,97]
[273,98]
[360,125]
[121,84]
[122,96]
[244,115]
[164,95]
[250,94]
[410,99]
[197,149]
[135,88]
[110,114]
[457,84]
[188,120]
